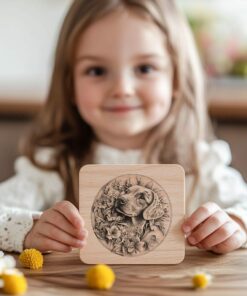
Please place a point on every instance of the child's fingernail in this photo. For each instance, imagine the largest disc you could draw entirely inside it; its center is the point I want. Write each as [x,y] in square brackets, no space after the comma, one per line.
[83,234]
[81,243]
[186,228]
[192,240]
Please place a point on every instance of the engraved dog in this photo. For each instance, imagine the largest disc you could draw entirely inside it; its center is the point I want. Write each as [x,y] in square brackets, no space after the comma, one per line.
[141,204]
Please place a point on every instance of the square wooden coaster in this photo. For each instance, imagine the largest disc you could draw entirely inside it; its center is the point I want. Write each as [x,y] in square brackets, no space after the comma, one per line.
[133,213]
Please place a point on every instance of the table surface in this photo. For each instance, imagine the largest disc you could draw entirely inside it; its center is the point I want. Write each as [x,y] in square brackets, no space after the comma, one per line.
[64,274]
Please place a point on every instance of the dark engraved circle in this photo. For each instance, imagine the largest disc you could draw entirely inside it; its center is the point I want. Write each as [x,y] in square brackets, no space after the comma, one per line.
[131,215]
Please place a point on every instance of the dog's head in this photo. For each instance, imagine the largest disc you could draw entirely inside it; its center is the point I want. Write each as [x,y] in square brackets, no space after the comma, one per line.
[139,200]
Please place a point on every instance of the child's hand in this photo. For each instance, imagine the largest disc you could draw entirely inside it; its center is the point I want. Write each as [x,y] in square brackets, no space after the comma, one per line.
[211,228]
[59,229]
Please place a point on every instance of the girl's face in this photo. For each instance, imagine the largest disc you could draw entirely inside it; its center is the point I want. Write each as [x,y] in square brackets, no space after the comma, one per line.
[122,78]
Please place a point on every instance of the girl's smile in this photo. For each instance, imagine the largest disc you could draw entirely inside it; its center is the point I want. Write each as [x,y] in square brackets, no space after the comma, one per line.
[122,109]
[123,78]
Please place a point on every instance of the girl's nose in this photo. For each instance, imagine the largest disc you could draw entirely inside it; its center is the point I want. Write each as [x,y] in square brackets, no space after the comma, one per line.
[122,86]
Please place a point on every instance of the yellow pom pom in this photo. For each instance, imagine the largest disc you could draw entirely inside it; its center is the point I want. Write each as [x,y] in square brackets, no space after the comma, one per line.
[31,258]
[100,277]
[201,280]
[14,282]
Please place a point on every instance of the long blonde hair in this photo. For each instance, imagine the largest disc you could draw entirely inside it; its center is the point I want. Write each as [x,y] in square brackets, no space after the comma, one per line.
[60,126]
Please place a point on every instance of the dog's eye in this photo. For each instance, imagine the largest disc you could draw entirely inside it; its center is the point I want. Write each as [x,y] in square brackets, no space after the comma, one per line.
[141,199]
[141,196]
[141,202]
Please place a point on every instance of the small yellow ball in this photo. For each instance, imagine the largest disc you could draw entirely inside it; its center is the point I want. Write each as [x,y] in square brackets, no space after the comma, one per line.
[14,283]
[100,277]
[31,258]
[201,280]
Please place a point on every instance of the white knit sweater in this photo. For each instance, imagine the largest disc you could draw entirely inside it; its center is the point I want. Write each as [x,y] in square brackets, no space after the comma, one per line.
[31,190]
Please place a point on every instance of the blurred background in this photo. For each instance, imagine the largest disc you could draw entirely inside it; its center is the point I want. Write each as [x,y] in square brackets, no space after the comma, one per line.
[28,34]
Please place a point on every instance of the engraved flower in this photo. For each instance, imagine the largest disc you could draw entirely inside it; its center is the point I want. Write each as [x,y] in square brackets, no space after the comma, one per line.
[141,246]
[100,230]
[113,232]
[106,213]
[99,220]
[112,195]
[103,202]
[112,217]
[134,245]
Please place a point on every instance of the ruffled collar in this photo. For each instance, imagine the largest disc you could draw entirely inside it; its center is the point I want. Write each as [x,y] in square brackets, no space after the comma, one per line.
[104,154]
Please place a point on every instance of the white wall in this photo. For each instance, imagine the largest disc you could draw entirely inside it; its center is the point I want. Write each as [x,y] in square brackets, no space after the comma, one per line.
[28,34]
[232,11]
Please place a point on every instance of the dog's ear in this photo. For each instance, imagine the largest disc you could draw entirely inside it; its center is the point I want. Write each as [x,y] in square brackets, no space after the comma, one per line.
[148,195]
[154,210]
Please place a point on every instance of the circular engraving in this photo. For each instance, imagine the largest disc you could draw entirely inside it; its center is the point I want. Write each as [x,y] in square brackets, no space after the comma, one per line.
[131,215]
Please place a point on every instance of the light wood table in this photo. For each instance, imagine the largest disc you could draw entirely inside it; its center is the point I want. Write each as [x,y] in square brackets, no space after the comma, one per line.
[64,274]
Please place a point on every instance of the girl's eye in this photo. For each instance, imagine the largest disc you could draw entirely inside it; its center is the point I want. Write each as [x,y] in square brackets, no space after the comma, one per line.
[95,71]
[145,69]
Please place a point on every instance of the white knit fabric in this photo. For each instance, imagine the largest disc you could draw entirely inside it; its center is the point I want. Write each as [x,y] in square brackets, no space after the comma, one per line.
[24,196]
[108,155]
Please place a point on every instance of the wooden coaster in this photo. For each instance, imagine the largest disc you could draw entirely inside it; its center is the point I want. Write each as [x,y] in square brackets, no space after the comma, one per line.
[133,213]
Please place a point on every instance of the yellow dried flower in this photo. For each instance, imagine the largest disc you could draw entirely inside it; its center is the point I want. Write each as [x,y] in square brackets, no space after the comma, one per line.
[201,280]
[14,282]
[100,277]
[31,258]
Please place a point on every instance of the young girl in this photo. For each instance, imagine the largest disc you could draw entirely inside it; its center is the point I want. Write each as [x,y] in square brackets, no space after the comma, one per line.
[126,88]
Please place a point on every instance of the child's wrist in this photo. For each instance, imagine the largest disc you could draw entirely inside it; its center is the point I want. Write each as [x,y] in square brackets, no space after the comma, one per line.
[27,240]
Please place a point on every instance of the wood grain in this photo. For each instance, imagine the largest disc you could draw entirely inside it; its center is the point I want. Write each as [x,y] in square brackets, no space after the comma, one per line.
[64,274]
[167,178]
